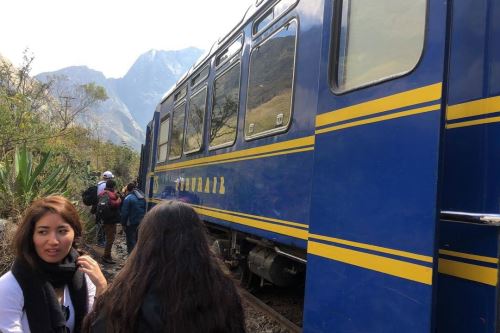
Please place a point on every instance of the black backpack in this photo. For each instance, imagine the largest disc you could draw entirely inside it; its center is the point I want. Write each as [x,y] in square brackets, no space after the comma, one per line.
[89,196]
[104,208]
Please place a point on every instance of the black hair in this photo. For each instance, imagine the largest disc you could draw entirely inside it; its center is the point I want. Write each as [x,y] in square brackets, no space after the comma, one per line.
[172,261]
[111,184]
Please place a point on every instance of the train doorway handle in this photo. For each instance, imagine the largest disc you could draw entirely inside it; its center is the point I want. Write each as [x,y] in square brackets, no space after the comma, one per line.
[476,218]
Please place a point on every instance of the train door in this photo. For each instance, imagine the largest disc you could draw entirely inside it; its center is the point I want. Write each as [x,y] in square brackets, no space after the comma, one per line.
[468,298]
[371,244]
[153,134]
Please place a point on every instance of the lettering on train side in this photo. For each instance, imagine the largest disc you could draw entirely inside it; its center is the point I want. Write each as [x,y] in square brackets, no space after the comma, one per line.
[155,184]
[207,185]
[193,184]
[214,185]
[222,188]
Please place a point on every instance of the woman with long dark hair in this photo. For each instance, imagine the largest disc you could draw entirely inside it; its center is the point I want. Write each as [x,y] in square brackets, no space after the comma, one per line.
[50,287]
[170,283]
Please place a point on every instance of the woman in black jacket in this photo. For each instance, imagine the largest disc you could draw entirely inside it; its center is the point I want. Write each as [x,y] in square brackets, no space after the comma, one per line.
[51,285]
[170,283]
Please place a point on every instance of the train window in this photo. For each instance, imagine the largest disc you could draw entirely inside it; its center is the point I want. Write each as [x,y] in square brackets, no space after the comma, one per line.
[224,118]
[195,121]
[177,132]
[200,76]
[270,83]
[180,94]
[163,139]
[272,15]
[378,40]
[231,50]
[150,142]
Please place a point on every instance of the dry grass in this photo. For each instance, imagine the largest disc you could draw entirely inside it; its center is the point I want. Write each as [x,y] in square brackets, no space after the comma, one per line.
[264,116]
[6,251]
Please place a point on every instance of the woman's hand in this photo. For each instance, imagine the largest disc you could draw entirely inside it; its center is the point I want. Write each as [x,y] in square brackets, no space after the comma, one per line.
[91,267]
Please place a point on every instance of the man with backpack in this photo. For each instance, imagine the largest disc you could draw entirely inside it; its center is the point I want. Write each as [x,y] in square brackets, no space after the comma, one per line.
[90,197]
[101,236]
[106,175]
[132,212]
[108,211]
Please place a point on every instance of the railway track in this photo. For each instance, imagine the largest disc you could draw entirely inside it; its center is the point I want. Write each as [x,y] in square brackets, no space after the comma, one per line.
[290,324]
[269,311]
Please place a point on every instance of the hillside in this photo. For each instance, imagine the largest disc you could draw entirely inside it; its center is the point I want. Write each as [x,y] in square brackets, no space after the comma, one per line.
[133,98]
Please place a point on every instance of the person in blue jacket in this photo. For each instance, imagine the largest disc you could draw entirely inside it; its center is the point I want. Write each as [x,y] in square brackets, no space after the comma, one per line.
[132,212]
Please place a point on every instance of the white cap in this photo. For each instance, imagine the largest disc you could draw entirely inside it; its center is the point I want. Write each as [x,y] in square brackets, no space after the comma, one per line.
[107,175]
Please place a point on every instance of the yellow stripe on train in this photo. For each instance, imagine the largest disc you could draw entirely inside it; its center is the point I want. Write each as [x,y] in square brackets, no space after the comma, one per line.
[392,102]
[295,224]
[394,267]
[475,108]
[380,249]
[280,229]
[396,115]
[283,147]
[486,275]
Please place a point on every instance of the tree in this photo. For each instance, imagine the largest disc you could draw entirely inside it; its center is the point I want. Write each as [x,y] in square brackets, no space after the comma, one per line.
[22,101]
[32,111]
[72,100]
[224,122]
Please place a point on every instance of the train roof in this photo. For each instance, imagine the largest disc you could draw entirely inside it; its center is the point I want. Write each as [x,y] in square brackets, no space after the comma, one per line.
[249,13]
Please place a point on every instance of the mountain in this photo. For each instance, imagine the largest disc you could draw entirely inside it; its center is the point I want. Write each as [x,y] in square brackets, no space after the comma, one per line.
[133,98]
[150,77]
[115,123]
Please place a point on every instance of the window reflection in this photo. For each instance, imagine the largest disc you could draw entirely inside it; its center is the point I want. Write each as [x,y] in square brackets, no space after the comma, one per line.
[270,83]
[163,140]
[177,132]
[272,14]
[195,121]
[379,40]
[234,48]
[224,116]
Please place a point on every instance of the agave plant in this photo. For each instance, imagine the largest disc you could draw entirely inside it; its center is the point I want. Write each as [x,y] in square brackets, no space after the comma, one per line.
[21,182]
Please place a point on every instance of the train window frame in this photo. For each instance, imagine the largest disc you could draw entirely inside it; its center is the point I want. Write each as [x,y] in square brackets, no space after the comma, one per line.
[340,35]
[181,104]
[186,121]
[164,120]
[282,129]
[151,146]
[219,75]
[180,94]
[271,11]
[219,62]
[197,79]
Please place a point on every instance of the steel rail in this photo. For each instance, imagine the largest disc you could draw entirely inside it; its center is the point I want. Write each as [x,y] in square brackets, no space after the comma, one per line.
[259,305]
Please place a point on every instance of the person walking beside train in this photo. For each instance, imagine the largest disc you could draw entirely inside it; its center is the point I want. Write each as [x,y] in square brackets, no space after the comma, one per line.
[132,212]
[170,283]
[108,210]
[101,185]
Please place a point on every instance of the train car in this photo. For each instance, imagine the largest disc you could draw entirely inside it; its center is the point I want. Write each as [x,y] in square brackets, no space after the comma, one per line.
[353,145]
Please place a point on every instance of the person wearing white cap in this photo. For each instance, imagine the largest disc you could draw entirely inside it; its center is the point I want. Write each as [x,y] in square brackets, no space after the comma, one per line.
[106,175]
[101,185]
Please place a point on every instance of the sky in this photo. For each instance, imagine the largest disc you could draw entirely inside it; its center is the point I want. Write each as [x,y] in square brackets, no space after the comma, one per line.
[109,35]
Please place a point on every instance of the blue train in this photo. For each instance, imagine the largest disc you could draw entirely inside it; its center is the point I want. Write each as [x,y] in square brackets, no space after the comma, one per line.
[355,142]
